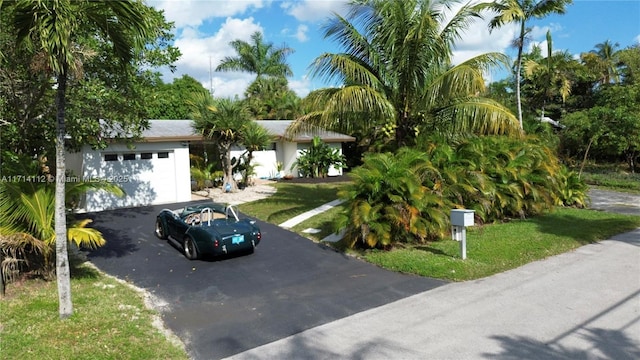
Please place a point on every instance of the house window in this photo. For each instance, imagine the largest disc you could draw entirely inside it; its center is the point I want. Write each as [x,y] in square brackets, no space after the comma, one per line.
[146,156]
[128,157]
[163,155]
[110,157]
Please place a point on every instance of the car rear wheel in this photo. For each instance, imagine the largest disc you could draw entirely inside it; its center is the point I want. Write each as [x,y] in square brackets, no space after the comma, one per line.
[160,233]
[190,250]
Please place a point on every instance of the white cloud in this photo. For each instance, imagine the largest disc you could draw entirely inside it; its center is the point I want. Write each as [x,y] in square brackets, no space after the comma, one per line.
[193,13]
[301,87]
[202,53]
[301,34]
[313,10]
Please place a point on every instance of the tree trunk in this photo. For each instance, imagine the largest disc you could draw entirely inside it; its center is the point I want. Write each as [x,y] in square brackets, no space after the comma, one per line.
[518,66]
[228,182]
[2,286]
[62,255]
[586,153]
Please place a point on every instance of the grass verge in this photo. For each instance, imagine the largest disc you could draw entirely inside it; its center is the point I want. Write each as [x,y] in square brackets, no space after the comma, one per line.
[110,321]
[291,200]
[495,248]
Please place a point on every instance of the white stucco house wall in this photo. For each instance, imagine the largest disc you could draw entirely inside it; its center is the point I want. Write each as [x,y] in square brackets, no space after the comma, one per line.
[156,169]
[286,151]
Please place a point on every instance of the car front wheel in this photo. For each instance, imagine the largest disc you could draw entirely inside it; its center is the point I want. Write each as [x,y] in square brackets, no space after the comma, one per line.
[160,233]
[190,250]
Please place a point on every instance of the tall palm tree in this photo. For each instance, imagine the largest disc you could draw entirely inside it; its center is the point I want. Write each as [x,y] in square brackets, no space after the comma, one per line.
[553,74]
[607,54]
[222,121]
[257,57]
[519,12]
[54,26]
[396,72]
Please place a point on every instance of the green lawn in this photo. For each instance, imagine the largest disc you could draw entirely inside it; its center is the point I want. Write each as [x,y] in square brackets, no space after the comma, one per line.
[496,248]
[110,321]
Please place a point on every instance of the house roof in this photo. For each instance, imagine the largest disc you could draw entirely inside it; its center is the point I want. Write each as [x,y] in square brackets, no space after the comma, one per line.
[182,130]
[279,127]
[171,130]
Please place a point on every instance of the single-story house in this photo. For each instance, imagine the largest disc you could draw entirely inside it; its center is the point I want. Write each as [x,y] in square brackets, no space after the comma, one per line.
[156,169]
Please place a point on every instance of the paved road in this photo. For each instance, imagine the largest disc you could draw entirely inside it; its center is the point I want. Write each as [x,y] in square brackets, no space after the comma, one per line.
[221,308]
[583,304]
[612,201]
[580,305]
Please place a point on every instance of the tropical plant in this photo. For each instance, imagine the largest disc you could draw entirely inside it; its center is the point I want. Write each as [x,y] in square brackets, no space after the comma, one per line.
[254,138]
[519,12]
[222,121]
[17,253]
[551,78]
[604,61]
[53,26]
[27,200]
[257,57]
[396,72]
[497,176]
[316,160]
[387,202]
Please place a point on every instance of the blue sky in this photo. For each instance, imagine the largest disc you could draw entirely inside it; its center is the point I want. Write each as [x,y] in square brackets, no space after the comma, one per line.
[204,29]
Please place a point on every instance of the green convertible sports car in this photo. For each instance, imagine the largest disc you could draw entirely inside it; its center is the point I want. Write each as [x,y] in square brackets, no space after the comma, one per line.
[209,229]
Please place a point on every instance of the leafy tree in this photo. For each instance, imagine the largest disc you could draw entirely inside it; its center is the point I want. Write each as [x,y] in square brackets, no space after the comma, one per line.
[519,12]
[103,95]
[630,64]
[610,129]
[53,27]
[169,101]
[318,158]
[396,73]
[257,57]
[221,121]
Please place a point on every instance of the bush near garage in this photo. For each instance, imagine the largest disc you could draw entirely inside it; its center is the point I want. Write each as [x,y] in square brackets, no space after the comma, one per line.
[406,197]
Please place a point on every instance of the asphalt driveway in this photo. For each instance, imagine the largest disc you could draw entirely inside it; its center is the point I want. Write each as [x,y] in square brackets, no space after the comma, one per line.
[224,307]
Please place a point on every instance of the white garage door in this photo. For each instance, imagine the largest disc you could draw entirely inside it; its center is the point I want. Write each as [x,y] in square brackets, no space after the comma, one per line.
[146,177]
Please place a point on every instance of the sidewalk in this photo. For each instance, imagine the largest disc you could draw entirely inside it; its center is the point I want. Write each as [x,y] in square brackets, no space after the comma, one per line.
[583,304]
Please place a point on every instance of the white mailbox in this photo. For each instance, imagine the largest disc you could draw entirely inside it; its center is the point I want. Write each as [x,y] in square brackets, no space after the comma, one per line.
[462,217]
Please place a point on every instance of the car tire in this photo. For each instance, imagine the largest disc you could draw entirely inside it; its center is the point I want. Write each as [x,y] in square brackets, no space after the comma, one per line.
[160,232]
[190,250]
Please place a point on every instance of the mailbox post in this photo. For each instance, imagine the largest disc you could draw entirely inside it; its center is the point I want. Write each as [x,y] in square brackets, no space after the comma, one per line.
[460,219]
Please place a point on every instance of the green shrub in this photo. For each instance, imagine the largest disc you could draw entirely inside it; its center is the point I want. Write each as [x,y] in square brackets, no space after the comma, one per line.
[406,197]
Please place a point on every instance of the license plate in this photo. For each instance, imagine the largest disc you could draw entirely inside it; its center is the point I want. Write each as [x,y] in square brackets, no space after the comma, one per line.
[237,239]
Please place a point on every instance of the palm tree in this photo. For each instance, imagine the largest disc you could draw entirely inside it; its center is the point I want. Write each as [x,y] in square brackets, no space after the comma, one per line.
[254,138]
[28,212]
[54,26]
[519,12]
[257,57]
[553,74]
[608,61]
[221,121]
[396,72]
